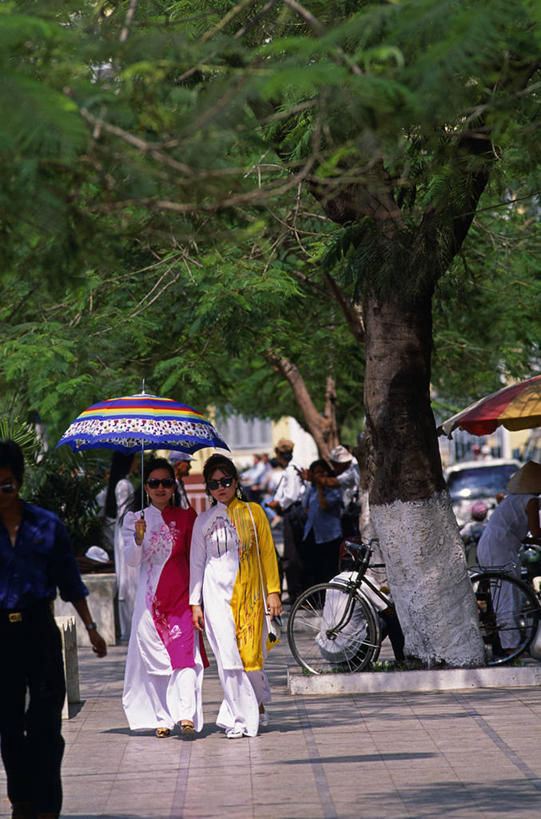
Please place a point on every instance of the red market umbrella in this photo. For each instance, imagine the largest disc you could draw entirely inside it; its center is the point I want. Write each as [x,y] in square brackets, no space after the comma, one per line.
[514,407]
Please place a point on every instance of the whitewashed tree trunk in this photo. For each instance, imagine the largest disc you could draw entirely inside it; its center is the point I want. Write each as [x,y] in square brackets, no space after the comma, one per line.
[409,502]
[430,586]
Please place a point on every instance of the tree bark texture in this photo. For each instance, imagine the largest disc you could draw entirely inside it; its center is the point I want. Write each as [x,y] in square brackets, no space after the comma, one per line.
[409,506]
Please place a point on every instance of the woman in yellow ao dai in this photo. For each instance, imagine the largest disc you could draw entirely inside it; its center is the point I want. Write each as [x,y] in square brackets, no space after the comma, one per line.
[226,576]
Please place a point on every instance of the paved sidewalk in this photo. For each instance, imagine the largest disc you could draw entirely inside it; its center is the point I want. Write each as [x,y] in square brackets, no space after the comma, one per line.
[455,753]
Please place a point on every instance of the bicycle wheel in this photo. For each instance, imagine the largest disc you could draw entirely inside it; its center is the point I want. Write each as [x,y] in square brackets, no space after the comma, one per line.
[331,630]
[509,613]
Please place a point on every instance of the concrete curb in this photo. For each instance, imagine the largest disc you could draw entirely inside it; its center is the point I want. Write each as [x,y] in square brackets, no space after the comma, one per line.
[381,682]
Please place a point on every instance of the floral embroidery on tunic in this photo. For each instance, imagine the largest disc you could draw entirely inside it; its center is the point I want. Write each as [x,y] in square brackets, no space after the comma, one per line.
[156,551]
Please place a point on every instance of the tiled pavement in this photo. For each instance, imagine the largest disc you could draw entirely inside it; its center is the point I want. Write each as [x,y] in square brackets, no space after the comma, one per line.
[457,754]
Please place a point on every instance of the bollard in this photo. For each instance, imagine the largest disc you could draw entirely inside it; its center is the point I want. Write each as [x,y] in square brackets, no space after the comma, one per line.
[68,632]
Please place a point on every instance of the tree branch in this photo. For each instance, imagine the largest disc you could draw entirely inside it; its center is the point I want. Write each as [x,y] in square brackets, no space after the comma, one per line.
[352,312]
[321,427]
[226,19]
[312,21]
[136,142]
[127,22]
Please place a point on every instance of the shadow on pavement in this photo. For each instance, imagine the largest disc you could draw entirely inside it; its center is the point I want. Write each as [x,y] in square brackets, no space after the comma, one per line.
[505,797]
[379,757]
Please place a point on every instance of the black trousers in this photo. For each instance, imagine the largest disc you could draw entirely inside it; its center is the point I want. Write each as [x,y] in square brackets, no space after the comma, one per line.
[391,628]
[31,741]
[293,562]
[320,559]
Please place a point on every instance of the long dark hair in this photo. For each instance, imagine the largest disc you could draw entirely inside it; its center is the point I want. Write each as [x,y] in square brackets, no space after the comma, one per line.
[121,464]
[228,467]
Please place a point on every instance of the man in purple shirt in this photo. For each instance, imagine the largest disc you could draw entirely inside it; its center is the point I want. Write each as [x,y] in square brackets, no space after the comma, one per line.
[36,558]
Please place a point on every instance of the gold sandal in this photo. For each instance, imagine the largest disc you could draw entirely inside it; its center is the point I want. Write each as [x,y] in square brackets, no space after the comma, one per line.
[163,732]
[187,731]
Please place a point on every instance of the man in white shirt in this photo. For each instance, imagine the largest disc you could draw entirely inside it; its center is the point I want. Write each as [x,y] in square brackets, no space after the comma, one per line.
[287,501]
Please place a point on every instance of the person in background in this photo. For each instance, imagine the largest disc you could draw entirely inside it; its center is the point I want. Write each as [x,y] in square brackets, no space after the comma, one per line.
[182,463]
[108,525]
[37,559]
[233,579]
[471,532]
[119,500]
[508,526]
[251,479]
[270,484]
[164,667]
[366,527]
[346,478]
[259,487]
[288,502]
[323,529]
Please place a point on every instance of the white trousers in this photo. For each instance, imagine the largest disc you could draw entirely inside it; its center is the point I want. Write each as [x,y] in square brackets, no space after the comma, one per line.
[161,700]
[244,692]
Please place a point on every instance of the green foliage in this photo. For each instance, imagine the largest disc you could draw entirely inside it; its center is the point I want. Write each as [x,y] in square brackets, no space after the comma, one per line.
[487,308]
[61,481]
[23,433]
[67,484]
[174,190]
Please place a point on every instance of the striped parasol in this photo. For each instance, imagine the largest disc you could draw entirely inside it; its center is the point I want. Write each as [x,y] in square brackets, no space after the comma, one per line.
[514,407]
[134,423]
[141,421]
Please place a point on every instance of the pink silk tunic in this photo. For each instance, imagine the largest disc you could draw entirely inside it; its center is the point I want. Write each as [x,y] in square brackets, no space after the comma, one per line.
[171,611]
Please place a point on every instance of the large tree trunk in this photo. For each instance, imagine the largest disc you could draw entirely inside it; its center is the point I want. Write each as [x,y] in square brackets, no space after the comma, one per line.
[409,504]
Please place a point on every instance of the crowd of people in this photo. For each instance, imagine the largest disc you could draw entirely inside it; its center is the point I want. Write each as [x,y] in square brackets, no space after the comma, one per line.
[177,575]
[180,575]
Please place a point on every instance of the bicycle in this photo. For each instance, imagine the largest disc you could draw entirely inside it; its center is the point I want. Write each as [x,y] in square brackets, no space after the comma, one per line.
[333,627]
[509,611]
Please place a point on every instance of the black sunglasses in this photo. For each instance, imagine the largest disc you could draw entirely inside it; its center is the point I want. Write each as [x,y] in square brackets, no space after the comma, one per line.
[225,482]
[167,483]
[8,488]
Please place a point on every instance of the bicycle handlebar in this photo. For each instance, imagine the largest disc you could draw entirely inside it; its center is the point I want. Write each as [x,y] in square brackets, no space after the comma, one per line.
[360,552]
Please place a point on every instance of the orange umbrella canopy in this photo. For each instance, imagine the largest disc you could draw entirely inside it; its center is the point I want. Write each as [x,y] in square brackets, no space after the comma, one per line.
[514,407]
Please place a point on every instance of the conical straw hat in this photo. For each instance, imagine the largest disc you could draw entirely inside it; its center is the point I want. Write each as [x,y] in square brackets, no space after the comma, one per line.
[527,481]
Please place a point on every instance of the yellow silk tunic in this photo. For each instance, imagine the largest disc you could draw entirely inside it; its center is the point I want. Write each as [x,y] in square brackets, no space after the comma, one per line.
[247,603]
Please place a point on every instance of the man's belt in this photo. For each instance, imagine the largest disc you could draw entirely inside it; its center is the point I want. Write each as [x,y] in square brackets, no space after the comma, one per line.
[22,615]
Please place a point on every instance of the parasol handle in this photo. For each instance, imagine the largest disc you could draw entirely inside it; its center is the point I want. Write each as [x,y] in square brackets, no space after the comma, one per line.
[142,473]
